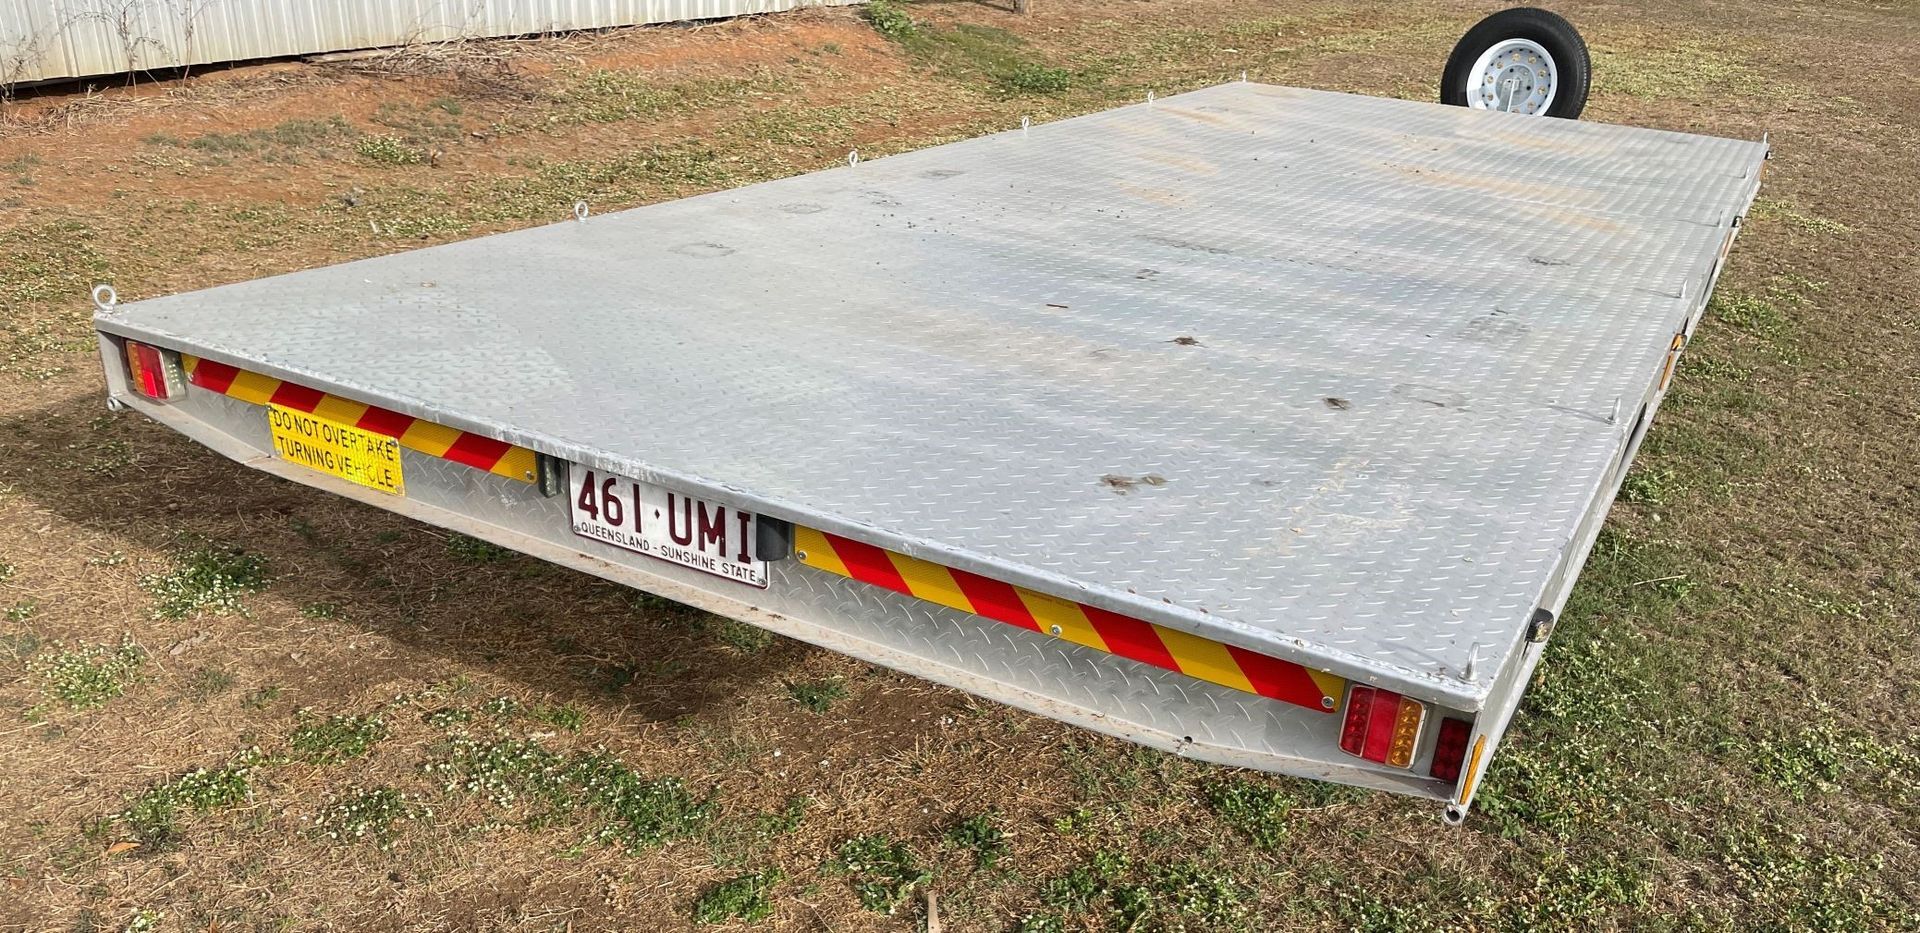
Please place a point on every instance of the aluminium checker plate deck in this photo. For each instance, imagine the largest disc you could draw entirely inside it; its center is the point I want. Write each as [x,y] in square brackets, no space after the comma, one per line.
[1381,358]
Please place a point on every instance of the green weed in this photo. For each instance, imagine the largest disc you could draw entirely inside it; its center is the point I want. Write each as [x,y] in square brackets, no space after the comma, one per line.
[20,611]
[153,816]
[889,19]
[389,150]
[564,717]
[1771,209]
[209,580]
[1796,283]
[1826,604]
[1369,910]
[784,820]
[1074,822]
[504,707]
[447,717]
[501,707]
[111,456]
[1649,486]
[883,872]
[978,835]
[1750,313]
[1568,893]
[969,51]
[84,678]
[818,695]
[1257,810]
[1804,888]
[631,810]
[372,815]
[336,738]
[740,636]
[1190,889]
[1080,887]
[144,920]
[743,898]
[1034,79]
[1698,366]
[1813,760]
[1161,895]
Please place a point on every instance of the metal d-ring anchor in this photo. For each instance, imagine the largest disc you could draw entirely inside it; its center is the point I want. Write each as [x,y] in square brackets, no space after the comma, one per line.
[1025,122]
[580,210]
[853,158]
[104,297]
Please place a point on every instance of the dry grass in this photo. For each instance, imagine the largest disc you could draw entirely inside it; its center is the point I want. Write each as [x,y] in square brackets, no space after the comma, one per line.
[342,720]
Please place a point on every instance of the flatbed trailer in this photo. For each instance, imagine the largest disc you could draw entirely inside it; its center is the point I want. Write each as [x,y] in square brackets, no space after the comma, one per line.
[1262,425]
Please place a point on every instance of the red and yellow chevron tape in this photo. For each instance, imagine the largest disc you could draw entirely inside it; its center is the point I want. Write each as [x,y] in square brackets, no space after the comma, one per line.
[1079,623]
[434,440]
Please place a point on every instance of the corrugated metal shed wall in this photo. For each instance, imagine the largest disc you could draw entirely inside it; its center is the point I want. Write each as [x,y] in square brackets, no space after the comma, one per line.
[46,39]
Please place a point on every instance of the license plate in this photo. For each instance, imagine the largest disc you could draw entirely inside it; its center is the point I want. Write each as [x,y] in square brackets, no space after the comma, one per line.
[646,519]
[355,455]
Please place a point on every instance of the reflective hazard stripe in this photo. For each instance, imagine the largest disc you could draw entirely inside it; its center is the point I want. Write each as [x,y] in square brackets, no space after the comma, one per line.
[437,440]
[1079,623]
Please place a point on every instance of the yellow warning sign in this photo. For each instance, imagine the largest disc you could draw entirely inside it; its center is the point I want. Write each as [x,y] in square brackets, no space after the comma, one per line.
[353,454]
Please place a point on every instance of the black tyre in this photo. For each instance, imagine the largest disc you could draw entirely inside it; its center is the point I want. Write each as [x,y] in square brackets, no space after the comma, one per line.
[1522,60]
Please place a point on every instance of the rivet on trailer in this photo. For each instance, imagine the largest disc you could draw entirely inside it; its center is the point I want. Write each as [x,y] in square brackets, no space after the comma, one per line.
[1263,425]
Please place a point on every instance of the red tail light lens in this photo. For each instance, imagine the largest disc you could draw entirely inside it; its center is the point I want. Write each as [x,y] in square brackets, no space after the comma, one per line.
[153,372]
[1382,726]
[1450,749]
[1353,732]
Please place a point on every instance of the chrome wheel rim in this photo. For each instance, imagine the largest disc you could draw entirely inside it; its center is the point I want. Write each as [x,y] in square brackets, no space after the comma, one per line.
[1515,76]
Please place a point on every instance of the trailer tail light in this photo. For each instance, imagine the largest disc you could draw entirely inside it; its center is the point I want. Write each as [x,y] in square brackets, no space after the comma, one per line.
[1382,726]
[1450,749]
[153,372]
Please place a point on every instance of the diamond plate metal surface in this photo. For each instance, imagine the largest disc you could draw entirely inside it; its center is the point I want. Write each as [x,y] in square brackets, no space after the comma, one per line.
[1385,355]
[1045,675]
